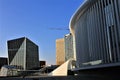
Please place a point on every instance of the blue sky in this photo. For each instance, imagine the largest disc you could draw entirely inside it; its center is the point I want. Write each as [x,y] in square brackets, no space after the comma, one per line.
[33,19]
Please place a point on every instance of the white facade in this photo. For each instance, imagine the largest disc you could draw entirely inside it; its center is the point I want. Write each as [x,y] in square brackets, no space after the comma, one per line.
[95,27]
[62,70]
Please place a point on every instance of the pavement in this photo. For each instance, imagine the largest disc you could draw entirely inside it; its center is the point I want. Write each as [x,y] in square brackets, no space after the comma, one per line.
[80,77]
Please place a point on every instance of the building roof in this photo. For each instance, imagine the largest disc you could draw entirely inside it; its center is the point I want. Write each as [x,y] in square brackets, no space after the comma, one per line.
[79,12]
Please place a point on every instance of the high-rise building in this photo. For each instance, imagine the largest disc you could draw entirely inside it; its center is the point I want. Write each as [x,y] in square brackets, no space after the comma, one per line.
[60,51]
[69,53]
[95,27]
[23,53]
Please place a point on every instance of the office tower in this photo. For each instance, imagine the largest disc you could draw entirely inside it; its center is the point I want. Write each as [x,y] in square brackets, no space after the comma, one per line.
[60,51]
[69,53]
[95,27]
[23,53]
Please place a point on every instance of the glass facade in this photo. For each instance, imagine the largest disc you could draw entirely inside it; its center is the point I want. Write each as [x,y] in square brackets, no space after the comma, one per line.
[16,52]
[23,53]
[68,47]
[3,61]
[32,56]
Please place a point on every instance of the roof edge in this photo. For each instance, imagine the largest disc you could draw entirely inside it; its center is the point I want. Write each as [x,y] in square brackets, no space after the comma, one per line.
[79,12]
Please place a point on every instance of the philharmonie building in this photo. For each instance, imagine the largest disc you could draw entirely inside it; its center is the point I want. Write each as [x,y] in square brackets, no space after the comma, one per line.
[95,27]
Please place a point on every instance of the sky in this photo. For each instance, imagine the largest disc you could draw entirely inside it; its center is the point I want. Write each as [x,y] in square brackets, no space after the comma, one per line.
[37,20]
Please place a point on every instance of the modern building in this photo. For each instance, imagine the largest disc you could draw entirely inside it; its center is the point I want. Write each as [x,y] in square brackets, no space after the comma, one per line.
[23,53]
[8,71]
[69,53]
[95,27]
[3,61]
[42,64]
[60,51]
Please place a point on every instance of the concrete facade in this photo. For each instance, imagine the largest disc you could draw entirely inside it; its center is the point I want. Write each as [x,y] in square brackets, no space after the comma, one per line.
[63,70]
[60,51]
[95,27]
[23,53]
